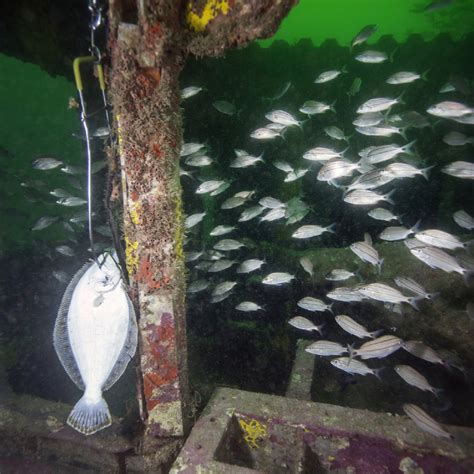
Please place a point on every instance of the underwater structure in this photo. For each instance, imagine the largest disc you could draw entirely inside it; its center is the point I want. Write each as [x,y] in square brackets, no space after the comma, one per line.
[314,421]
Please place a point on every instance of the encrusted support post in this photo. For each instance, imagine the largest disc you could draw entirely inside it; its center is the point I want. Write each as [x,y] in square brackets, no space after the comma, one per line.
[149,41]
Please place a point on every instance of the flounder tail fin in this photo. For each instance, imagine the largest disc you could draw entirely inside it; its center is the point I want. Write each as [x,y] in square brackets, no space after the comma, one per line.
[88,416]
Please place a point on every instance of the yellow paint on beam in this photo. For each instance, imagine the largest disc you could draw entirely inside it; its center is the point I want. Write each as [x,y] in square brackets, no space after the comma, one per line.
[211,9]
[131,256]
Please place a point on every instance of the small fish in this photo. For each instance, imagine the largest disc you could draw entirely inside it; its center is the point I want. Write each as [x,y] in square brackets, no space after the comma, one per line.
[463,219]
[276,127]
[308,231]
[197,286]
[378,104]
[335,169]
[378,348]
[74,170]
[247,306]
[413,377]
[457,139]
[191,148]
[244,194]
[233,202]
[224,107]
[61,276]
[405,77]
[355,87]
[193,220]
[250,265]
[382,214]
[336,133]
[220,265]
[71,201]
[251,213]
[199,160]
[339,275]
[422,351]
[204,265]
[44,222]
[264,134]
[366,197]
[465,119]
[411,285]
[190,91]
[299,322]
[346,295]
[460,169]
[386,294]
[274,215]
[449,109]
[98,166]
[46,163]
[314,304]
[60,193]
[405,170]
[392,234]
[244,161]
[313,107]
[192,256]
[425,422]
[370,180]
[209,186]
[223,287]
[326,348]
[322,154]
[371,57]
[327,76]
[380,131]
[379,154]
[228,244]
[271,203]
[221,297]
[366,252]
[353,366]
[221,230]
[440,239]
[409,119]
[294,175]
[101,132]
[437,258]
[363,35]
[65,250]
[369,120]
[354,328]
[277,278]
[281,93]
[283,166]
[307,265]
[283,118]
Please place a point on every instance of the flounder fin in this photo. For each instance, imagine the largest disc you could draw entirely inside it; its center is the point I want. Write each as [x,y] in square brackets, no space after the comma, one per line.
[88,417]
[128,349]
[61,341]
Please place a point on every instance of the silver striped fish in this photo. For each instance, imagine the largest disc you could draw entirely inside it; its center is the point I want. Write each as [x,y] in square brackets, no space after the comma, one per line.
[413,377]
[326,348]
[353,366]
[314,304]
[299,322]
[440,239]
[422,351]
[378,348]
[387,294]
[425,422]
[411,285]
[366,252]
[354,328]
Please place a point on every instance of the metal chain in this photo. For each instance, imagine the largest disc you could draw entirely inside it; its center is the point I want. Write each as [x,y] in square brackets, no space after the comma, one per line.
[95,23]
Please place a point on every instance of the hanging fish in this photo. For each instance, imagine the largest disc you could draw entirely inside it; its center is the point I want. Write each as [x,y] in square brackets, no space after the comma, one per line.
[95,336]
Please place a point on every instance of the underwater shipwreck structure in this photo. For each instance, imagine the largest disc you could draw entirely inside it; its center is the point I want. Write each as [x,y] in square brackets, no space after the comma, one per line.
[149,42]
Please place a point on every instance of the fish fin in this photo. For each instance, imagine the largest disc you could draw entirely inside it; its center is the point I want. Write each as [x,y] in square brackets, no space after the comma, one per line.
[416,227]
[392,54]
[425,171]
[388,197]
[424,76]
[128,349]
[467,275]
[414,301]
[320,329]
[375,334]
[331,228]
[89,417]
[402,131]
[400,97]
[331,106]
[367,238]
[437,391]
[433,296]
[330,308]
[350,349]
[378,371]
[62,344]
[379,266]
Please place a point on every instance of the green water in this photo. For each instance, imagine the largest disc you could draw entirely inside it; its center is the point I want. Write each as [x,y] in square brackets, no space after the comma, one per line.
[320,20]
